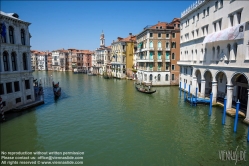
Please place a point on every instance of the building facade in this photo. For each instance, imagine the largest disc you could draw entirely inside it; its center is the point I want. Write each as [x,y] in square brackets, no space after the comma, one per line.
[16,83]
[215,51]
[158,49]
[101,57]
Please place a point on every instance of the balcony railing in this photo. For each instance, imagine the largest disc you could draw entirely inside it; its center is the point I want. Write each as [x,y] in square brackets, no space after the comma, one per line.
[159,48]
[167,49]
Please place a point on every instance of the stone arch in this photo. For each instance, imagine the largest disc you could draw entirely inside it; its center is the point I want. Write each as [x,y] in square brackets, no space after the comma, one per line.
[240,84]
[221,79]
[198,79]
[208,81]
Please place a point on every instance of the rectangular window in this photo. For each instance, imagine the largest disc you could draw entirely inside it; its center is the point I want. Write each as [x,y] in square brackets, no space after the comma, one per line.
[207,11]
[197,32]
[231,20]
[214,26]
[16,86]
[27,85]
[9,87]
[193,19]
[1,89]
[197,17]
[28,97]
[221,3]
[167,35]
[173,35]
[239,17]
[173,67]
[18,100]
[173,77]
[193,34]
[219,23]
[204,13]
[167,66]
[151,34]
[159,34]
[216,5]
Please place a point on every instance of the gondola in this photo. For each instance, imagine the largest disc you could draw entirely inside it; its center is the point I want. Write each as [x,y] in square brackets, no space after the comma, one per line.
[56,89]
[144,90]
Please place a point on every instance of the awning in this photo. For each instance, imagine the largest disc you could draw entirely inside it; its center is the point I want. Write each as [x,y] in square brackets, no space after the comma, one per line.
[231,33]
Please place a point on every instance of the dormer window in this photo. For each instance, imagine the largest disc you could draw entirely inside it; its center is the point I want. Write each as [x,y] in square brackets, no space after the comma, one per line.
[160,27]
[156,27]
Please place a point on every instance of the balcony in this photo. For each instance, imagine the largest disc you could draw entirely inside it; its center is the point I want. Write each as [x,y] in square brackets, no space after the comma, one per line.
[159,69]
[151,48]
[184,62]
[145,59]
[167,59]
[159,48]
[167,49]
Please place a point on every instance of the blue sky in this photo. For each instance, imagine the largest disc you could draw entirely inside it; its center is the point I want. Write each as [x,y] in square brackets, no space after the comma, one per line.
[78,24]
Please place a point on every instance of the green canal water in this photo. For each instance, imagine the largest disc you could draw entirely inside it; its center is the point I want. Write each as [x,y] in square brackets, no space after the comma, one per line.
[113,124]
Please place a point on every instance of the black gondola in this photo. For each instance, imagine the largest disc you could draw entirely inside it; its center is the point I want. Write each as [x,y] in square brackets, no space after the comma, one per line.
[142,90]
[56,89]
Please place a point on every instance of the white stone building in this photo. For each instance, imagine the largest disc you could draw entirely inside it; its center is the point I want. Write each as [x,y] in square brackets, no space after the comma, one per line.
[101,57]
[16,83]
[56,60]
[214,54]
[42,61]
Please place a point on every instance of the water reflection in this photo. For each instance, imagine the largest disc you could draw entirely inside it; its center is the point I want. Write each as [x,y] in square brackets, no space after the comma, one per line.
[111,122]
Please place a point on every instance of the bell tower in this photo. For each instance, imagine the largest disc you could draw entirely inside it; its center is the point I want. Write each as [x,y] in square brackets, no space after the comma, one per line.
[102,39]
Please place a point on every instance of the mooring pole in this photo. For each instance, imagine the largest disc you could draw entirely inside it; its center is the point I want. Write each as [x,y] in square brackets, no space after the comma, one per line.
[196,96]
[236,116]
[210,104]
[248,135]
[224,111]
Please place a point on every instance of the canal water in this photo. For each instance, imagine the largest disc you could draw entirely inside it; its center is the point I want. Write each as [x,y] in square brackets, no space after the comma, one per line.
[113,124]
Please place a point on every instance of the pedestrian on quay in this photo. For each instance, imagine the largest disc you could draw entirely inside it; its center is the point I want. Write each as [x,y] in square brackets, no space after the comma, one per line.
[1,109]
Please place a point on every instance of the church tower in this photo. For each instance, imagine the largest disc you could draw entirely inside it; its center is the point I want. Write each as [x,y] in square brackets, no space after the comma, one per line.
[102,39]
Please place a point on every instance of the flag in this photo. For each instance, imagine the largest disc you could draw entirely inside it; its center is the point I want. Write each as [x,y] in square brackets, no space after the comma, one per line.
[3,30]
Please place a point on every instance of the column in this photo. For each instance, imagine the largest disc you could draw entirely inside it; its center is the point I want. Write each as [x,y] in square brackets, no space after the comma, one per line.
[214,91]
[229,96]
[203,82]
[194,85]
[247,111]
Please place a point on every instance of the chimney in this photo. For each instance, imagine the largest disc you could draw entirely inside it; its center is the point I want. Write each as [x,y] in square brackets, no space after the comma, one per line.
[130,34]
[158,21]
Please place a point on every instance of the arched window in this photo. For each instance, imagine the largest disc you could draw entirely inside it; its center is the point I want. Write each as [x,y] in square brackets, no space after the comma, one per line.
[3,32]
[24,61]
[228,51]
[213,53]
[218,52]
[173,56]
[11,34]
[159,45]
[13,61]
[235,48]
[23,36]
[151,77]
[166,77]
[159,77]
[6,61]
[151,44]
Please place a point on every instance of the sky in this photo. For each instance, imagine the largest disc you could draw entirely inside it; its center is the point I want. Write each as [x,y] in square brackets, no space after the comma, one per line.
[78,24]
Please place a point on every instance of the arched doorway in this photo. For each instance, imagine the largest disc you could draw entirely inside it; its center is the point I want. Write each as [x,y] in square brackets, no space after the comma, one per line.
[221,86]
[240,91]
[208,82]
